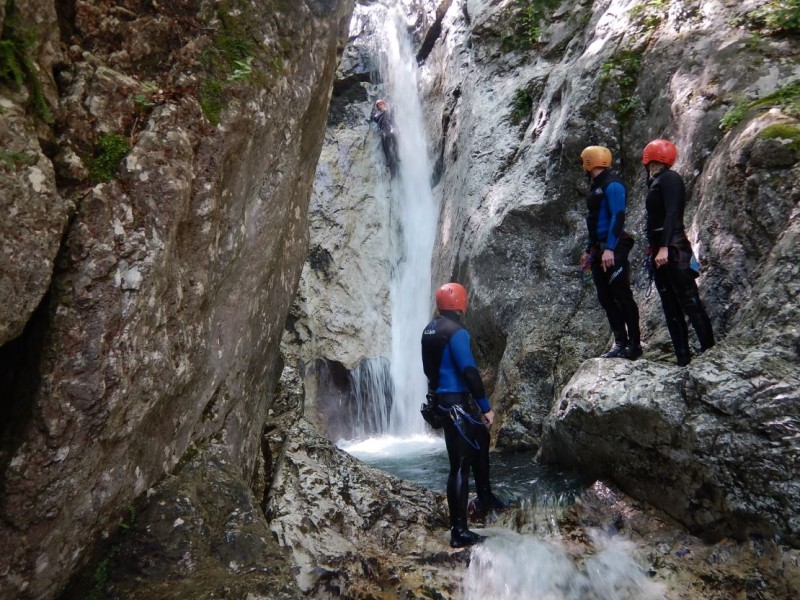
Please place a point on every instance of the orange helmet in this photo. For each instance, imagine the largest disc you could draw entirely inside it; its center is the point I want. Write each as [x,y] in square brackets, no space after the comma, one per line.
[596,156]
[451,296]
[661,151]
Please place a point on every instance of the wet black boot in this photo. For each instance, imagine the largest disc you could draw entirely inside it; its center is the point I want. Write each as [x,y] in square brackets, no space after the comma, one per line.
[632,351]
[460,538]
[618,349]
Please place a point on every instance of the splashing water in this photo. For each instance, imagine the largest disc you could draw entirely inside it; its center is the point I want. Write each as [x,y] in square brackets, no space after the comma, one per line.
[414,217]
[510,566]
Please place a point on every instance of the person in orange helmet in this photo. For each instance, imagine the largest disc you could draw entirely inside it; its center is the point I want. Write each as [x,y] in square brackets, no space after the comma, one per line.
[461,401]
[672,252]
[607,252]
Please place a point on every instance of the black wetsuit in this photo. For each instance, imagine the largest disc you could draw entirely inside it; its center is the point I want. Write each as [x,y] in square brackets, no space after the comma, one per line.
[605,221]
[454,380]
[385,122]
[675,281]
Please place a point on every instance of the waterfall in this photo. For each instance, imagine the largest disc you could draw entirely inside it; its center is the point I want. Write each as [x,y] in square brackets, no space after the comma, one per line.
[414,217]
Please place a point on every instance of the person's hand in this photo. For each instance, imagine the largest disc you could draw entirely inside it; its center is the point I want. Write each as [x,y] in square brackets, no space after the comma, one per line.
[488,417]
[662,257]
[608,259]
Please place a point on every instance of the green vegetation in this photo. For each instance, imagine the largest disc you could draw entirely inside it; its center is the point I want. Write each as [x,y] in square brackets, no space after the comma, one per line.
[783,131]
[524,27]
[11,161]
[232,57]
[622,71]
[786,98]
[100,575]
[649,13]
[522,104]
[144,99]
[777,16]
[16,65]
[110,150]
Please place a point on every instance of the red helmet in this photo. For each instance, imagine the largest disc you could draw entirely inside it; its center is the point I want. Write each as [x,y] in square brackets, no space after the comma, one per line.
[380,101]
[661,151]
[451,296]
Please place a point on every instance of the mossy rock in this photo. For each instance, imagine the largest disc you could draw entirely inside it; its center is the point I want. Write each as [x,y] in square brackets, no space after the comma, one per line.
[783,131]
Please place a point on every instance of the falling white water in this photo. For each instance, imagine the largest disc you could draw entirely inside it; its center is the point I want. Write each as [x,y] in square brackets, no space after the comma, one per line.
[510,566]
[413,220]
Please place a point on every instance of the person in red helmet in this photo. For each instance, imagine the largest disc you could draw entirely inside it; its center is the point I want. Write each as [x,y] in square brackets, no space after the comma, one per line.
[383,118]
[460,398]
[672,252]
[607,252]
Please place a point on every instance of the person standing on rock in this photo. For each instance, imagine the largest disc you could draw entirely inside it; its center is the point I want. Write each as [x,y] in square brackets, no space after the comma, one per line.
[461,400]
[607,252]
[672,251]
[383,118]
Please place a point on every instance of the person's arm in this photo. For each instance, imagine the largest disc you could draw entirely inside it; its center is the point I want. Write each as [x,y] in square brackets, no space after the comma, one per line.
[615,195]
[672,196]
[460,348]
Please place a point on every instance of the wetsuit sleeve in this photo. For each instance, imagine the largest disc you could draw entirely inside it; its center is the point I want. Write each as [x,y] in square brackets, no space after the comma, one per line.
[671,196]
[462,355]
[615,196]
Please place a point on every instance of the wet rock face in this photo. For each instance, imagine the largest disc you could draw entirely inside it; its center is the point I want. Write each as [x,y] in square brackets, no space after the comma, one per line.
[162,219]
[512,121]
[354,531]
[201,534]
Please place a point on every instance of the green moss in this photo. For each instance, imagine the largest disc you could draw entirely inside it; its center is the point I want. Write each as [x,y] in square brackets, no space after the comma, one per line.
[786,98]
[622,71]
[523,26]
[16,66]
[521,106]
[235,56]
[783,131]
[777,17]
[649,13]
[11,161]
[211,99]
[110,150]
[100,575]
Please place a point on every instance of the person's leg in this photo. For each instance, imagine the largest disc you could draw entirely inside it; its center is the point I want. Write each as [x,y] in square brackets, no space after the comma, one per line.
[613,313]
[620,287]
[676,321]
[689,297]
[461,456]
[486,500]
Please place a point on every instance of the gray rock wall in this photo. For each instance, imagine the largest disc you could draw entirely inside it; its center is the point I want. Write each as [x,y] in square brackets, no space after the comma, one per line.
[508,113]
[512,230]
[163,280]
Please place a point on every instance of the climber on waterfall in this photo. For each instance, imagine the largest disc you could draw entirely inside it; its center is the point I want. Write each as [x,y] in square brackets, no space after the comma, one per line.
[607,252]
[383,118]
[673,258]
[466,415]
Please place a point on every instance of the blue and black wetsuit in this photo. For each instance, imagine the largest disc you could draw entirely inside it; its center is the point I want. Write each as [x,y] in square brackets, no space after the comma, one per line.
[675,281]
[454,380]
[605,221]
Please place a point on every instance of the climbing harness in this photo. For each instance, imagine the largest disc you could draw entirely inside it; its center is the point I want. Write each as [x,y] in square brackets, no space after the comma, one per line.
[461,419]
[644,281]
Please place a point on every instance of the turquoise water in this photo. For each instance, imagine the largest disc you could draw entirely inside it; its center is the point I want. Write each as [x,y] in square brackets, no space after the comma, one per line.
[423,460]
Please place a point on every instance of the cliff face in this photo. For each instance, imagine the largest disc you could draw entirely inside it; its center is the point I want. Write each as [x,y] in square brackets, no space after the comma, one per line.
[512,95]
[157,161]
